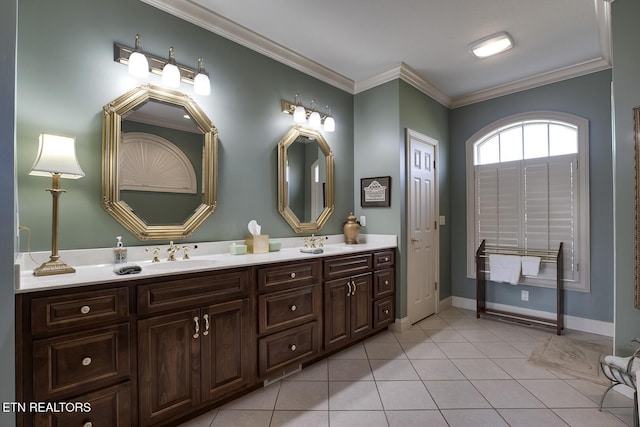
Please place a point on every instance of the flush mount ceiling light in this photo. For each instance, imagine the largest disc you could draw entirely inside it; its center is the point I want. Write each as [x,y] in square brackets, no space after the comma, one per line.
[491,45]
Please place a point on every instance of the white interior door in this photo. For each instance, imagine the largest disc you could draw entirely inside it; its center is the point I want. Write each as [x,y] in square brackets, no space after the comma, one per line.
[422,227]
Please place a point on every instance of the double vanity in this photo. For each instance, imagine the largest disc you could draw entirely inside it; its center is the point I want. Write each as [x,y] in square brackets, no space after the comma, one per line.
[182,337]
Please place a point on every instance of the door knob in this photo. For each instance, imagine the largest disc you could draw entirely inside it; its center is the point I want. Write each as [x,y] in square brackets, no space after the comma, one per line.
[413,240]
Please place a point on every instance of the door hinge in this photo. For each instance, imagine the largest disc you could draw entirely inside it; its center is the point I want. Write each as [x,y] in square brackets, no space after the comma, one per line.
[435,225]
[434,164]
[577,267]
[436,285]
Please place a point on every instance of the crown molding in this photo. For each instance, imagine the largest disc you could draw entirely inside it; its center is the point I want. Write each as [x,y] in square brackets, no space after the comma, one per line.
[230,30]
[211,21]
[565,73]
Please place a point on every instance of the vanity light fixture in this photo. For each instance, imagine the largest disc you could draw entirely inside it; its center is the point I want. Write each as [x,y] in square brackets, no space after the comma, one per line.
[491,45]
[138,64]
[126,55]
[201,83]
[170,72]
[301,113]
[56,158]
[329,123]
[314,117]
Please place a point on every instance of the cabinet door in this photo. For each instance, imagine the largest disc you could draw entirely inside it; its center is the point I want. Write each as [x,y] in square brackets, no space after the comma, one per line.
[360,305]
[226,350]
[168,362]
[336,316]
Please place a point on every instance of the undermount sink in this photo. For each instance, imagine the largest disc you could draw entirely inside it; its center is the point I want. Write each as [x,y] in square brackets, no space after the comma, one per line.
[184,264]
[325,250]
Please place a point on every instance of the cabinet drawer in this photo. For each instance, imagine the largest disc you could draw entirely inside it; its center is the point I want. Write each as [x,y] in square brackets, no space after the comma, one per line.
[79,309]
[284,348]
[288,276]
[383,259]
[384,283]
[192,290]
[110,407]
[383,312]
[279,310]
[347,266]
[76,362]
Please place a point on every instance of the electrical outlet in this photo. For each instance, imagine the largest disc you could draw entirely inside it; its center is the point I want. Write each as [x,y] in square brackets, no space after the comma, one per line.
[524,295]
[363,220]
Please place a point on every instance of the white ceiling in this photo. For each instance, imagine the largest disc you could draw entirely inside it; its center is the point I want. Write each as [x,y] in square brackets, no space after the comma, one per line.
[358,44]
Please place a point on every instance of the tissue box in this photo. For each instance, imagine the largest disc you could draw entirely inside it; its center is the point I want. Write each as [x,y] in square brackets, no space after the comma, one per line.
[258,244]
[237,249]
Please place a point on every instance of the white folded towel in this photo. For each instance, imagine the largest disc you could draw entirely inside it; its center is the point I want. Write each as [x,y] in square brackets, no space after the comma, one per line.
[505,268]
[530,265]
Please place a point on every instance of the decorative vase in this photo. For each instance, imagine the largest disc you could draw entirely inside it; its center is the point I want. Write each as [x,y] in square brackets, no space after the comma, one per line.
[351,229]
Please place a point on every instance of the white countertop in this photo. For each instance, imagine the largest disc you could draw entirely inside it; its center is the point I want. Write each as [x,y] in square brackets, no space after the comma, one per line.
[93,266]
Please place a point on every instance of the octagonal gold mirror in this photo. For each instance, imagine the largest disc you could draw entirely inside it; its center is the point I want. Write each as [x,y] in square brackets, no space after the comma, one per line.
[305,179]
[159,163]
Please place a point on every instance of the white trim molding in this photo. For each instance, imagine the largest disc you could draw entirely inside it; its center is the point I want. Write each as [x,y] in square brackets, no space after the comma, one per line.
[571,322]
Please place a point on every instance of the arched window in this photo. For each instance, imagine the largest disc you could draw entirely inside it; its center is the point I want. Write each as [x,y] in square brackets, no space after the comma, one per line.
[527,187]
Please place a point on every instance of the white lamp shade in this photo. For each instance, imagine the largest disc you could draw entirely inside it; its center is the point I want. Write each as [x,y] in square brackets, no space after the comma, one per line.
[299,114]
[314,120]
[202,85]
[171,75]
[329,124]
[57,154]
[138,65]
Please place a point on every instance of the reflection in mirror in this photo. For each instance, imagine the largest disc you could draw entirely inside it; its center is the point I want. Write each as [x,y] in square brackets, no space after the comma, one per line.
[160,154]
[305,179]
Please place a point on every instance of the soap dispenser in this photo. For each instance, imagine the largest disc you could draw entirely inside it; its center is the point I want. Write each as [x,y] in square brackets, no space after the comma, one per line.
[119,254]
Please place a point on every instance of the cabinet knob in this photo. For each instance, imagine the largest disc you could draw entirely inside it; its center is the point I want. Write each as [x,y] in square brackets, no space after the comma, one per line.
[86,361]
[293,275]
[386,311]
[85,309]
[293,347]
[87,424]
[293,307]
[386,282]
[385,259]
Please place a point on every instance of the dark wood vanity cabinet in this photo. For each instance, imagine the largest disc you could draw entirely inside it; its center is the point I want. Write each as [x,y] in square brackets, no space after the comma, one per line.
[154,350]
[76,346]
[197,350]
[289,313]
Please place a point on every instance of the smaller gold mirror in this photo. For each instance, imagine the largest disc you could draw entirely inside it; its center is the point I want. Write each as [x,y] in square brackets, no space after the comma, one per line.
[305,179]
[159,163]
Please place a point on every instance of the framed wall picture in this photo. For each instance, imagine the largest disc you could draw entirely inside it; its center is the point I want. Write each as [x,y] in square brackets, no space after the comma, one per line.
[375,192]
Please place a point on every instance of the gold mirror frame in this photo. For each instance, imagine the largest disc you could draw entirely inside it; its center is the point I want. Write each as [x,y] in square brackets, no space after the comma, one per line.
[111,146]
[283,196]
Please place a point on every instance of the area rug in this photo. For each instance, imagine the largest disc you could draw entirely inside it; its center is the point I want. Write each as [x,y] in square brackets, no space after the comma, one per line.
[567,357]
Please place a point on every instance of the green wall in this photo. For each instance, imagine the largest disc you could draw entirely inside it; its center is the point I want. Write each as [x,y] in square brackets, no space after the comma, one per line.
[626,94]
[589,97]
[66,74]
[7,207]
[381,117]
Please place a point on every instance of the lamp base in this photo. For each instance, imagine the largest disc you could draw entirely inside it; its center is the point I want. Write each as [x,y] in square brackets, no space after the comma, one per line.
[53,267]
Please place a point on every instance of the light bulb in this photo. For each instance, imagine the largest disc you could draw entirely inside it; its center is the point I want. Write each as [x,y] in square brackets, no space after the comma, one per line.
[201,83]
[299,113]
[138,64]
[329,123]
[170,72]
[314,118]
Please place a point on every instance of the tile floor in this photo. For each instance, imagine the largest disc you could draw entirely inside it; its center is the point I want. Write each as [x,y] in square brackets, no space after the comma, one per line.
[450,369]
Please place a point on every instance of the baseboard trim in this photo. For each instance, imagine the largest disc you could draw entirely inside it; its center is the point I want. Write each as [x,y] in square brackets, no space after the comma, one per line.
[570,322]
[445,304]
[400,325]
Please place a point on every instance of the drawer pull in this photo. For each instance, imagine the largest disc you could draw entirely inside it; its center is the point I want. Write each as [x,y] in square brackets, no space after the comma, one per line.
[349,291]
[386,311]
[87,424]
[197,333]
[293,307]
[85,309]
[293,347]
[206,325]
[86,361]
[353,292]
[293,275]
